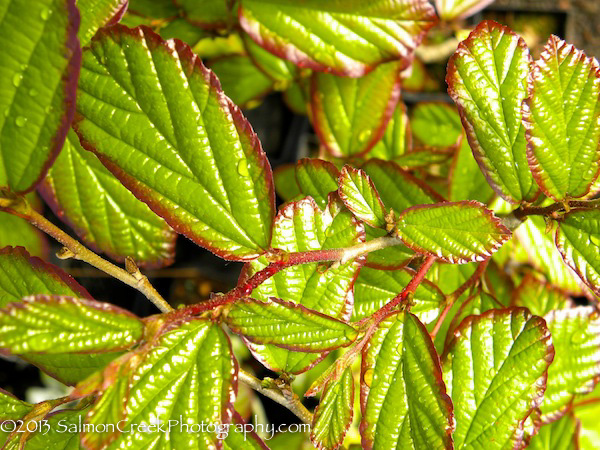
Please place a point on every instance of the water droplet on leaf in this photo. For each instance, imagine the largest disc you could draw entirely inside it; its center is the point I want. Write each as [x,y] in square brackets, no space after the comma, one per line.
[368,377]
[45,13]
[363,136]
[20,121]
[242,168]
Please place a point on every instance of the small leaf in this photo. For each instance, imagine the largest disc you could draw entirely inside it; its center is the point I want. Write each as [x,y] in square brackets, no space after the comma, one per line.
[455,232]
[487,79]
[22,275]
[350,115]
[577,239]
[288,325]
[576,366]
[562,120]
[466,182]
[374,288]
[317,178]
[449,10]
[303,226]
[364,36]
[495,370]
[403,399]
[543,255]
[11,408]
[104,213]
[539,297]
[159,120]
[58,324]
[194,378]
[209,14]
[359,195]
[397,139]
[96,14]
[241,80]
[436,125]
[40,58]
[333,414]
[560,435]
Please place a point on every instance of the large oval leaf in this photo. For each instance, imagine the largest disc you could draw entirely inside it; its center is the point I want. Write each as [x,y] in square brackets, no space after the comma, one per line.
[562,119]
[303,226]
[157,119]
[578,241]
[40,57]
[346,37]
[495,370]
[455,232]
[487,78]
[187,374]
[403,398]
[351,114]
[103,213]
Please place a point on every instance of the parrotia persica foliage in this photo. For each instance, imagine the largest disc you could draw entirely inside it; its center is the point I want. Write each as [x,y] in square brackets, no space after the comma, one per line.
[419,274]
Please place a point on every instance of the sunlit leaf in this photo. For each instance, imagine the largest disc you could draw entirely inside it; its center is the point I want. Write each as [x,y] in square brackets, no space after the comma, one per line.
[459,9]
[539,297]
[317,178]
[466,180]
[359,195]
[96,14]
[560,435]
[11,408]
[397,139]
[435,124]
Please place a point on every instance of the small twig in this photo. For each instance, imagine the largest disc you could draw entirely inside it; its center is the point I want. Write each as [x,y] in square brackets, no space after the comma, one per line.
[291,402]
[78,251]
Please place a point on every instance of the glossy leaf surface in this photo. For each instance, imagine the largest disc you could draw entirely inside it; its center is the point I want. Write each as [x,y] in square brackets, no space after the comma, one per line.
[578,239]
[40,60]
[576,366]
[487,79]
[364,35]
[105,214]
[288,325]
[403,399]
[359,195]
[279,70]
[455,232]
[55,324]
[22,275]
[159,121]
[333,415]
[459,9]
[562,119]
[303,226]
[96,14]
[194,378]
[351,114]
[317,178]
[495,371]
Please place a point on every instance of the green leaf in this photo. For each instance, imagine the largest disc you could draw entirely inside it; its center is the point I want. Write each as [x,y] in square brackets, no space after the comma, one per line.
[11,408]
[466,182]
[543,255]
[576,366]
[539,297]
[40,58]
[454,232]
[96,14]
[333,414]
[242,436]
[209,14]
[194,378]
[317,178]
[288,325]
[578,241]
[157,119]
[586,410]
[22,275]
[296,97]
[285,182]
[303,226]
[403,399]
[562,120]
[487,78]
[449,10]
[17,232]
[155,9]
[389,258]
[61,432]
[108,217]
[422,157]
[359,195]
[59,324]
[350,115]
[279,70]
[397,139]
[343,37]
[374,288]
[495,370]
[241,80]
[560,435]
[436,125]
